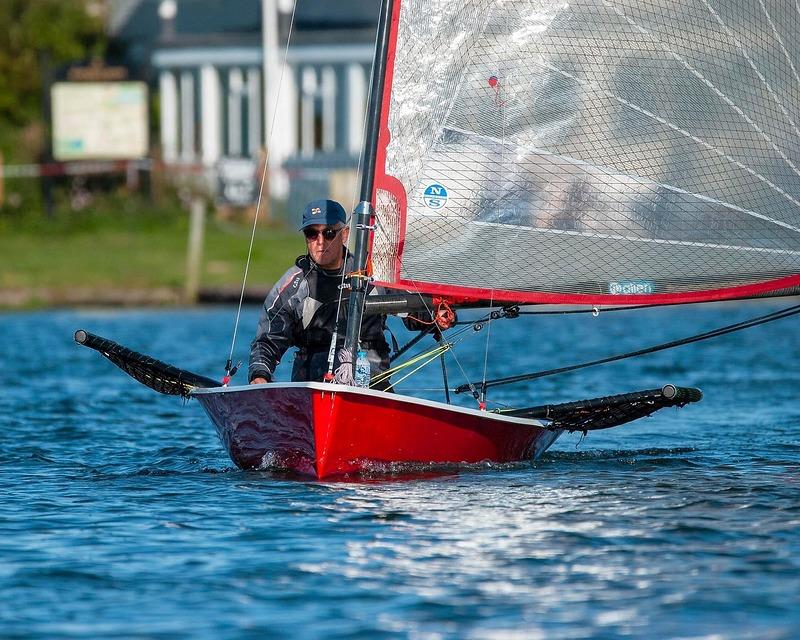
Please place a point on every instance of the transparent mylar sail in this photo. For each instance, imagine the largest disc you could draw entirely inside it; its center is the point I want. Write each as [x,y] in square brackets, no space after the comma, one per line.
[591,151]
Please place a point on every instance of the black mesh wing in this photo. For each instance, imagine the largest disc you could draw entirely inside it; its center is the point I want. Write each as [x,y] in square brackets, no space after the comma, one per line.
[608,411]
[157,375]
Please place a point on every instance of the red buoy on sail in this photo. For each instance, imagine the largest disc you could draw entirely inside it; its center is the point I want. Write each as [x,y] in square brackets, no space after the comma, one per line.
[492,81]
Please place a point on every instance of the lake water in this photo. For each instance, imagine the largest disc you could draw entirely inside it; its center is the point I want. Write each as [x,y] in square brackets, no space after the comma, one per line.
[121,515]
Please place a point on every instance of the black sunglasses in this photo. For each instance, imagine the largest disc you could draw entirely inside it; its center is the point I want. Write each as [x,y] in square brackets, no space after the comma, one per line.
[329,233]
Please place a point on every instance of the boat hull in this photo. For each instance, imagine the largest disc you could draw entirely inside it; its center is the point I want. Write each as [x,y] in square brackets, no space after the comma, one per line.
[325,430]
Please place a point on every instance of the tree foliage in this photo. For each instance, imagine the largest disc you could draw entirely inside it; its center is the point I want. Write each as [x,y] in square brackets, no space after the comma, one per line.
[37,33]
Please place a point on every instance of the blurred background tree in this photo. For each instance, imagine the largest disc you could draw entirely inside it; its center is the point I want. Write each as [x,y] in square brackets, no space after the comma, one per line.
[35,35]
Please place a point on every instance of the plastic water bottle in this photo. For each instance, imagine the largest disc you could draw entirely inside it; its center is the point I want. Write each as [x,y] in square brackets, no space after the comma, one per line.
[362,373]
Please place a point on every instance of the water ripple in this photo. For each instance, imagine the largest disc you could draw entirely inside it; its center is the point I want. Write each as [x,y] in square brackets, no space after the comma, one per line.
[122,516]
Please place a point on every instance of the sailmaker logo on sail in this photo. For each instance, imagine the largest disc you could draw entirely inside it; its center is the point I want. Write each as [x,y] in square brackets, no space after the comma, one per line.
[435,196]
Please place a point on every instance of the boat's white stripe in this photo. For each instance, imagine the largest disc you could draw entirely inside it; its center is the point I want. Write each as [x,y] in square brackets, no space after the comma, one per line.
[341,388]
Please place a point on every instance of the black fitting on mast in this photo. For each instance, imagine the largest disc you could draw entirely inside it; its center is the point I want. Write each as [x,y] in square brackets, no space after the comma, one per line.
[359,279]
[364,211]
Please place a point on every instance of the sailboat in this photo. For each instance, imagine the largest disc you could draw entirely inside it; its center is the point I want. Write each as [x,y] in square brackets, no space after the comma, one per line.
[598,154]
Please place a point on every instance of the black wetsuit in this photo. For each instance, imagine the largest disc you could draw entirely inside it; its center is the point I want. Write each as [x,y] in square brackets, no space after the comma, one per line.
[301,311]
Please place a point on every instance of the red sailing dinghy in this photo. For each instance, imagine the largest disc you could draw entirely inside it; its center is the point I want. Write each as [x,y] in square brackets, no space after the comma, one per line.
[325,430]
[510,160]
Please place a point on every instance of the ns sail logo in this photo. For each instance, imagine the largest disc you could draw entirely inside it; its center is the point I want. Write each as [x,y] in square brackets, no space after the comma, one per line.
[435,196]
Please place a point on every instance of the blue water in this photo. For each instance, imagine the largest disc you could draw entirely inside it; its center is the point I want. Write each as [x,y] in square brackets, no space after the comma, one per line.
[121,515]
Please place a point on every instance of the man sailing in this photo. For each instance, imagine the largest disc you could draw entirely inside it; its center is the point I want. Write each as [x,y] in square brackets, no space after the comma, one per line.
[304,307]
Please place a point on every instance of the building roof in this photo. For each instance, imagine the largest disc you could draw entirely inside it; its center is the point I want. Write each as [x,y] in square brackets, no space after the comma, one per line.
[137,20]
[321,15]
[137,31]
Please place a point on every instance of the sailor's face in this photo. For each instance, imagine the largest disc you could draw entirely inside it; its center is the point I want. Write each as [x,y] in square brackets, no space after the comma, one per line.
[325,244]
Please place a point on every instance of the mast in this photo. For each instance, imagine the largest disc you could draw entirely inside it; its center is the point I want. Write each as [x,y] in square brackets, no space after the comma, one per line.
[364,211]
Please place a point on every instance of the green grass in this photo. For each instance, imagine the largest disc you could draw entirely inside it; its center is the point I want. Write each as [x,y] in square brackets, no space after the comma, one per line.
[134,248]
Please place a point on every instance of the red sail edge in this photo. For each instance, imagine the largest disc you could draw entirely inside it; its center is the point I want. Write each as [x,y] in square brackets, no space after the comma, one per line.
[382,180]
[465,295]
[787,285]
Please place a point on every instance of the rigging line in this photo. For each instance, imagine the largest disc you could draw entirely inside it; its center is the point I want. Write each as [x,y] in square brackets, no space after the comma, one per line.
[406,389]
[467,324]
[490,317]
[263,181]
[482,396]
[442,349]
[501,104]
[720,331]
[454,339]
[711,85]
[469,385]
[598,310]
[411,342]
[433,316]
[434,352]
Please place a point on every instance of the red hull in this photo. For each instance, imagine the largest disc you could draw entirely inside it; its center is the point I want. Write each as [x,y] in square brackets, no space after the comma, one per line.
[326,430]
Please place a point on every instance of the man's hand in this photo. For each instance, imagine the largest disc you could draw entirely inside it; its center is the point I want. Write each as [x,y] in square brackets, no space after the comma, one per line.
[259,381]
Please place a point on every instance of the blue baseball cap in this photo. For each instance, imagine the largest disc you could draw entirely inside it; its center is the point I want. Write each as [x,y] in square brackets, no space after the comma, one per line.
[327,212]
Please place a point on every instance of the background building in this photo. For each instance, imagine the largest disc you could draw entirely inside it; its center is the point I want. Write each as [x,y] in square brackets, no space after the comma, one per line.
[218,69]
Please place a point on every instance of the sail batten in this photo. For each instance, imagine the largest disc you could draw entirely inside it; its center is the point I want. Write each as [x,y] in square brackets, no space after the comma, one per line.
[543,151]
[601,236]
[668,187]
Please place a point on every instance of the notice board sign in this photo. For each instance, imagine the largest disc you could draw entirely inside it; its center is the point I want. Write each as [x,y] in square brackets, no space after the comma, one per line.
[99,120]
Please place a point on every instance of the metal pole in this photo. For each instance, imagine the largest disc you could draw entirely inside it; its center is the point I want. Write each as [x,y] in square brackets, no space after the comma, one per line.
[273,153]
[194,257]
[444,378]
[364,210]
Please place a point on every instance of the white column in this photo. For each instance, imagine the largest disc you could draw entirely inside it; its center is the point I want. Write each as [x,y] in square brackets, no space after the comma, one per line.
[308,82]
[272,61]
[211,118]
[356,106]
[253,112]
[288,114]
[187,152]
[168,92]
[235,88]
[284,134]
[328,109]
[274,94]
